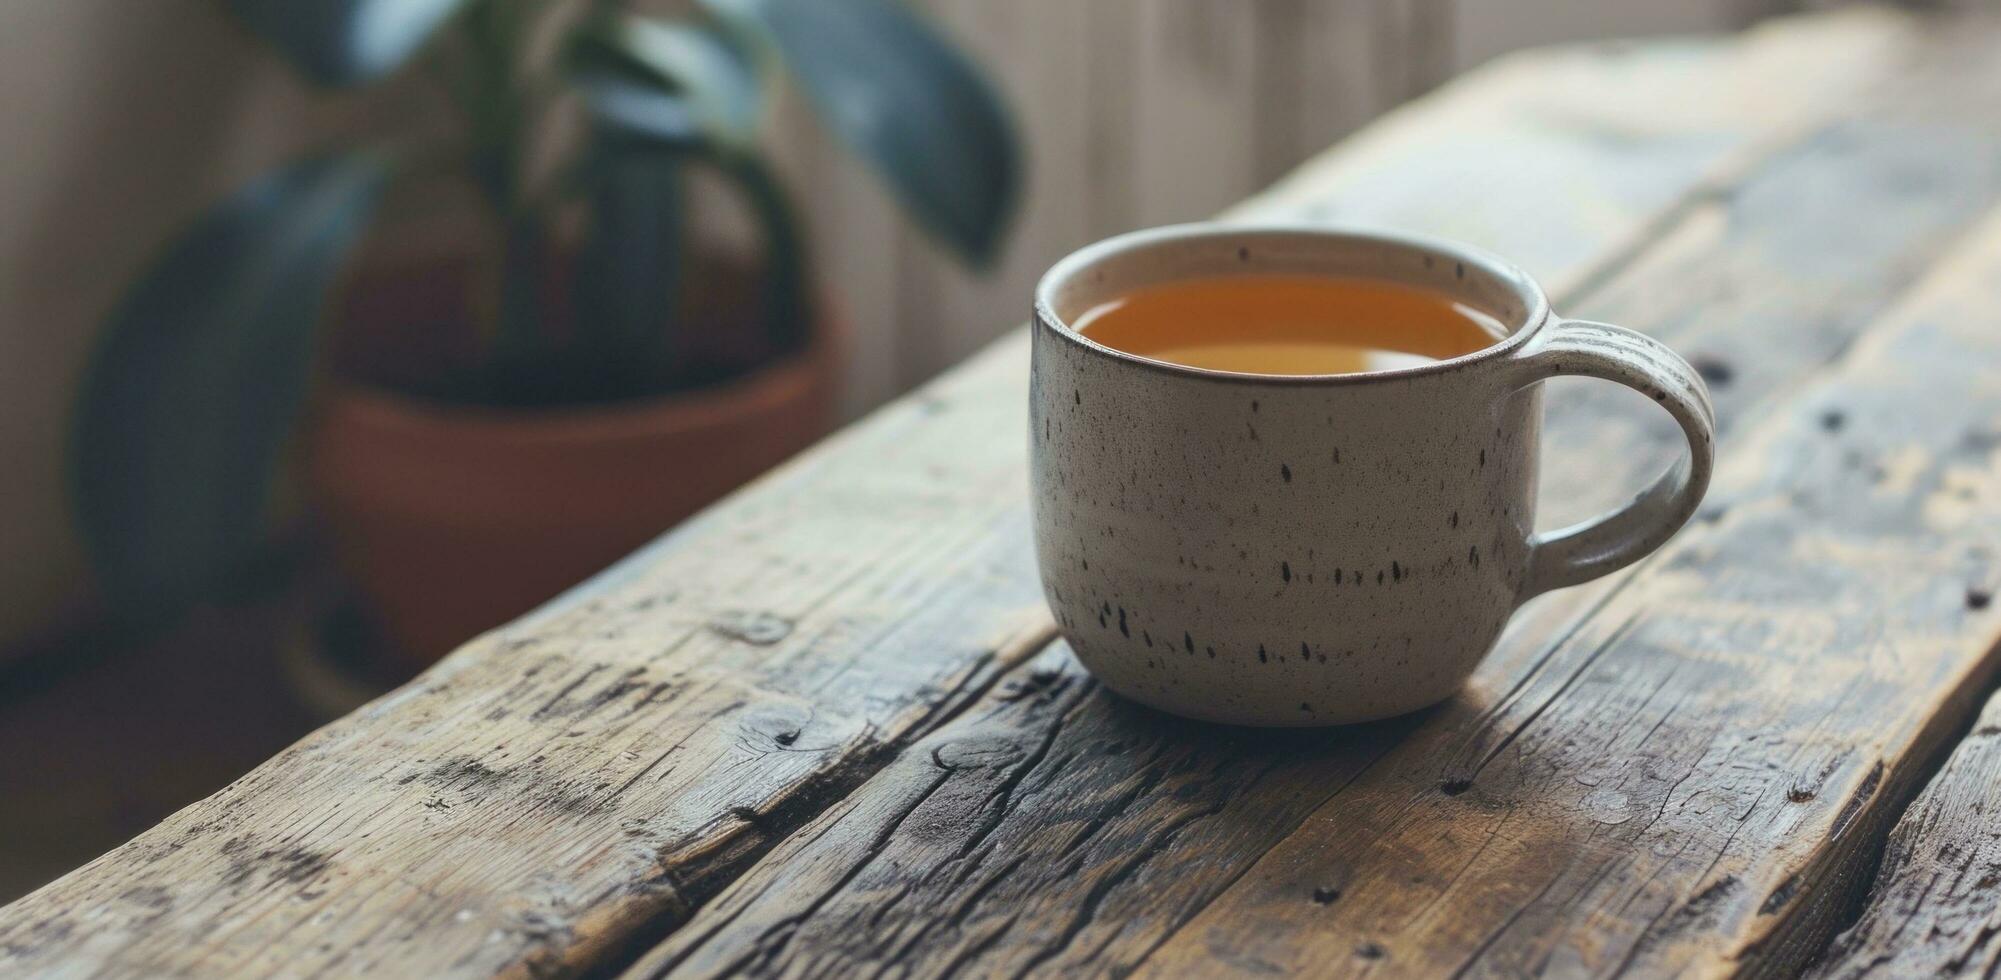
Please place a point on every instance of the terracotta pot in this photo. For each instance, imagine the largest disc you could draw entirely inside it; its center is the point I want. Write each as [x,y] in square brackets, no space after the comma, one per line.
[451,519]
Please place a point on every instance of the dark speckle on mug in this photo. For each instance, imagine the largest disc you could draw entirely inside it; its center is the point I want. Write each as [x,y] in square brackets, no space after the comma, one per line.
[1123,631]
[1285,471]
[1263,658]
[1188,641]
[1285,570]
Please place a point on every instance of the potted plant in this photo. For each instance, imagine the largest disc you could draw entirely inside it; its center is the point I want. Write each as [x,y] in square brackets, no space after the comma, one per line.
[489,428]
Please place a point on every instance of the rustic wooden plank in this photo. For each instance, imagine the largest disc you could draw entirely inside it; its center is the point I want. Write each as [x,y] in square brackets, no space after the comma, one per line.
[553,785]
[1734,350]
[1052,827]
[1671,787]
[1934,909]
[1149,819]
[582,780]
[1691,780]
[1542,155]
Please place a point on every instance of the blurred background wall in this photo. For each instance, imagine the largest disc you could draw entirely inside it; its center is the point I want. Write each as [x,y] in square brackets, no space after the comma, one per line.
[118,119]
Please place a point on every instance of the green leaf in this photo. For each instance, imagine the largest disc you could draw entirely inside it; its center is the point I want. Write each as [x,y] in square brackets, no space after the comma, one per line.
[787,314]
[673,79]
[893,89]
[199,377]
[346,42]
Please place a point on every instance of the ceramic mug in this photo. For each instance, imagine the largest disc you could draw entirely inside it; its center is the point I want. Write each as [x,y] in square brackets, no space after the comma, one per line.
[1314,550]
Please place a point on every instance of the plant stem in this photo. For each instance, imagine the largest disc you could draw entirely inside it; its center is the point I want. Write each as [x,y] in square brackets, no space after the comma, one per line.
[502,105]
[788,305]
[491,100]
[517,333]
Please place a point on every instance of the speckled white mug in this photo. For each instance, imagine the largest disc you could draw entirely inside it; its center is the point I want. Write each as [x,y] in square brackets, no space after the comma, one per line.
[1315,550]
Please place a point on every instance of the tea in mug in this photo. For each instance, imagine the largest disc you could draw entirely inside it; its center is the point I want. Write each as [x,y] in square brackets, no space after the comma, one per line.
[1273,324]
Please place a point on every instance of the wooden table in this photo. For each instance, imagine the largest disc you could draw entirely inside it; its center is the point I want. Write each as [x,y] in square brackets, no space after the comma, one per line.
[826,728]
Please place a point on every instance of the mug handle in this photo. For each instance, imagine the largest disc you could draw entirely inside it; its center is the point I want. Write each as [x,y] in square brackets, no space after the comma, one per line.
[1613,540]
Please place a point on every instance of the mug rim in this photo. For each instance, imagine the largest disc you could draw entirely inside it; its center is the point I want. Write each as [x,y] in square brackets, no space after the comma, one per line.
[1535,303]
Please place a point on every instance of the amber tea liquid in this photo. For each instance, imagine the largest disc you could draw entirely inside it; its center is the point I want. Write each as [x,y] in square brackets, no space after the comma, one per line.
[1289,325]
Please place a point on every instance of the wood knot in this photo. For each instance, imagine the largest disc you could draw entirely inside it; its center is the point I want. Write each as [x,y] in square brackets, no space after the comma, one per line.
[1325,896]
[1454,787]
[755,628]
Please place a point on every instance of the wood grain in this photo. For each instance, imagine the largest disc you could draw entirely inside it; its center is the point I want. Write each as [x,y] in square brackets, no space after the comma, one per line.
[1084,832]
[600,766]
[1687,782]
[569,789]
[1546,156]
[1935,909]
